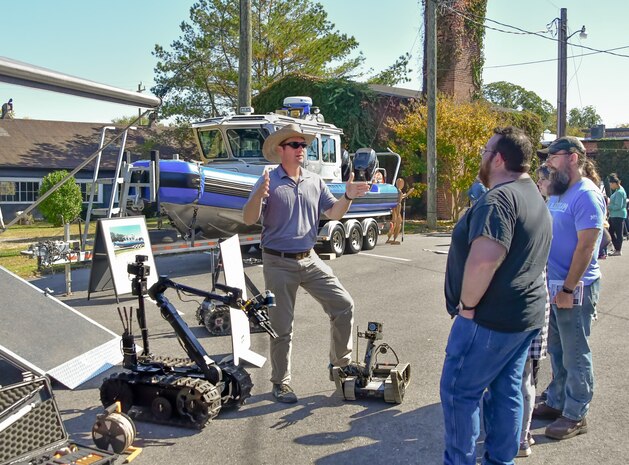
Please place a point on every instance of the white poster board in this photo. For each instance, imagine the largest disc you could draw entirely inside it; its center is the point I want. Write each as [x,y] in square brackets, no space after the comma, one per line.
[117,242]
[235,277]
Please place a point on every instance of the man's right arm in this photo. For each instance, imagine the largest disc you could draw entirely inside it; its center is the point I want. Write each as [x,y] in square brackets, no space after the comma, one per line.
[581,258]
[253,208]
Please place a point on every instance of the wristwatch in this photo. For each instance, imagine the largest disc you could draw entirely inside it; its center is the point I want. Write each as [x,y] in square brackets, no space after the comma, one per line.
[465,307]
[567,290]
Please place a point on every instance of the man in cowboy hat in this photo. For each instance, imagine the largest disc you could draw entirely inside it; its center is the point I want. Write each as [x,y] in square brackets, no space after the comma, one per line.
[291,201]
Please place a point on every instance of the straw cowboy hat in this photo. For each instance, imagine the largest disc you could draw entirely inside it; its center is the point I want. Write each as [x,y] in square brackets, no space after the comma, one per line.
[275,139]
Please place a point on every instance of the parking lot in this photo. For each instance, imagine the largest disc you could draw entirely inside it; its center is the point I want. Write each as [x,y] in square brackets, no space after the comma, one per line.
[400,286]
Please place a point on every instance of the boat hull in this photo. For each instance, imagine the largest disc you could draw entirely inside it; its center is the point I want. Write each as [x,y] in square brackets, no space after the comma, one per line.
[209,202]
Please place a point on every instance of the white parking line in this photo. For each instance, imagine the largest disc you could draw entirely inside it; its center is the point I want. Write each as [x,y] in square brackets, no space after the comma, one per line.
[384,256]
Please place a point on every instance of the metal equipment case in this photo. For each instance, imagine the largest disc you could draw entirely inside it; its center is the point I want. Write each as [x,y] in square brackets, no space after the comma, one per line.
[31,429]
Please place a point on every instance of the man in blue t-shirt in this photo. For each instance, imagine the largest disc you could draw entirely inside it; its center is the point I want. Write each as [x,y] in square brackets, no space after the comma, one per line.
[577,207]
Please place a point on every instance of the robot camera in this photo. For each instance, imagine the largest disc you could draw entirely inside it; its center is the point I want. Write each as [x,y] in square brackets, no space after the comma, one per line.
[374,330]
[138,268]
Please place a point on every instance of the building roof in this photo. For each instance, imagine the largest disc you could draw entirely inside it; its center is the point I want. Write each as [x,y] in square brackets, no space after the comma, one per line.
[398,92]
[39,144]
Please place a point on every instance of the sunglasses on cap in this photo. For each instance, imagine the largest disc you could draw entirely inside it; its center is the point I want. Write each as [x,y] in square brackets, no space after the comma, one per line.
[295,145]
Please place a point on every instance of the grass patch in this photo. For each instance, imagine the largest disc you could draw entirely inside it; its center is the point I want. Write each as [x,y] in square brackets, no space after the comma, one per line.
[19,237]
[421,227]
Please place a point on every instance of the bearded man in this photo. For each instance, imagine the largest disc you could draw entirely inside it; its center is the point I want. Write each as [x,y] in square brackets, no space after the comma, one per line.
[577,207]
[495,288]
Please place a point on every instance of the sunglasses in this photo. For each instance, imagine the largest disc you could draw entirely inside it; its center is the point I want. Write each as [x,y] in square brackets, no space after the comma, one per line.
[295,145]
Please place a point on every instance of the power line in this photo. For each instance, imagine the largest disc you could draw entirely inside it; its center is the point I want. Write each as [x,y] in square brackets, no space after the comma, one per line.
[524,31]
[554,59]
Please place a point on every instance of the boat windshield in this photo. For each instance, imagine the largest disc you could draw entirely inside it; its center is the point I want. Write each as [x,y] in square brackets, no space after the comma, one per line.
[243,142]
[246,143]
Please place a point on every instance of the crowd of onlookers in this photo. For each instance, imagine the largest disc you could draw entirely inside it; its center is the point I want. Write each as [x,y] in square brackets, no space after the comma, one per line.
[522,281]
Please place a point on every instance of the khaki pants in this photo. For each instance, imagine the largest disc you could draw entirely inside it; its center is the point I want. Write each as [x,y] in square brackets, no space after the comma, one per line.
[283,276]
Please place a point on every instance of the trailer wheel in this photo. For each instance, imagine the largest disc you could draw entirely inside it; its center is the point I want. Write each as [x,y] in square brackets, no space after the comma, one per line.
[371,236]
[354,239]
[336,244]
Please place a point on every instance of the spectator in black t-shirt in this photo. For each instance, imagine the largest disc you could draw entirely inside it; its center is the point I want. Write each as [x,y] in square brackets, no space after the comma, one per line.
[495,288]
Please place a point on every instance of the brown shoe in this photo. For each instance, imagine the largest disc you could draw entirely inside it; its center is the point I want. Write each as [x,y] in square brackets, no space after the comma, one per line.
[284,393]
[565,428]
[544,412]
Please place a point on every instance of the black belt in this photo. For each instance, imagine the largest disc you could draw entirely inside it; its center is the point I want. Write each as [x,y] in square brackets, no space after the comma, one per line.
[295,255]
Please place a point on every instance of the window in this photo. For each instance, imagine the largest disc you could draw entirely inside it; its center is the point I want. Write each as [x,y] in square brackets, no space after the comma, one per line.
[212,144]
[86,188]
[328,149]
[246,143]
[19,191]
[313,150]
[27,190]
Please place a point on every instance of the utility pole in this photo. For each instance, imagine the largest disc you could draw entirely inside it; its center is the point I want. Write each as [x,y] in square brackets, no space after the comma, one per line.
[244,62]
[562,72]
[562,69]
[431,95]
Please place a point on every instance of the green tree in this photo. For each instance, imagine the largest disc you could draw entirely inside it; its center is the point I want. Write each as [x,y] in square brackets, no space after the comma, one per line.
[585,117]
[462,129]
[63,205]
[395,74]
[198,77]
[508,95]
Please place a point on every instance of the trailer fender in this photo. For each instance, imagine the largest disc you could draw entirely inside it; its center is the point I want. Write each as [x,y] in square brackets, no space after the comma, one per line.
[366,222]
[326,230]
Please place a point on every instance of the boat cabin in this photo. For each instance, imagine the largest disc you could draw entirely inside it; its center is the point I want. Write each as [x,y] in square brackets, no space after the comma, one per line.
[235,142]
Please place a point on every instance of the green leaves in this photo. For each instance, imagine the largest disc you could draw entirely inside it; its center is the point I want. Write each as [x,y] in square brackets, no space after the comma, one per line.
[508,95]
[63,205]
[198,76]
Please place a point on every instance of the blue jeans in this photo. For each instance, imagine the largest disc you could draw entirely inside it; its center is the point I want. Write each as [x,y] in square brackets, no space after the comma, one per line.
[572,386]
[481,363]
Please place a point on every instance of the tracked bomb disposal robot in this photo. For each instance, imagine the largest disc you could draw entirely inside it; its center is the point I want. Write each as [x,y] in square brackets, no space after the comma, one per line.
[175,391]
[374,378]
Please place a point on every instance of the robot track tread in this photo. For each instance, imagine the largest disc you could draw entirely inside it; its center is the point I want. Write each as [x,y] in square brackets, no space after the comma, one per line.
[166,399]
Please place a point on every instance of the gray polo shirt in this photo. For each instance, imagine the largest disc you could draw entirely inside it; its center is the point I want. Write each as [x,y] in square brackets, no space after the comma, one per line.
[291,212]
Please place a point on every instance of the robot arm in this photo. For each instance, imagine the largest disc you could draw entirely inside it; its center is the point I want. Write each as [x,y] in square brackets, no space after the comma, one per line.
[255,308]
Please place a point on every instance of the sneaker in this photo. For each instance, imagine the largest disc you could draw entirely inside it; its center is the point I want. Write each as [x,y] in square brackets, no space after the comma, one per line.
[284,393]
[544,412]
[565,428]
[617,253]
[525,449]
[530,439]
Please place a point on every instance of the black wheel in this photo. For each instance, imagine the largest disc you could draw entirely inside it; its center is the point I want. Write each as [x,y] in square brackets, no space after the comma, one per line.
[216,320]
[161,408]
[336,244]
[370,239]
[114,389]
[354,241]
[198,400]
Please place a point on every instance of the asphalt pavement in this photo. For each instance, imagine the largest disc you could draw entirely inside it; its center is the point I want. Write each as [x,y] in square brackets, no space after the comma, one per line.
[398,285]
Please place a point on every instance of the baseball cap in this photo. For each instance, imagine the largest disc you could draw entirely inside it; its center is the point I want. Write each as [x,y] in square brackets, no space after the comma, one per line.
[566,143]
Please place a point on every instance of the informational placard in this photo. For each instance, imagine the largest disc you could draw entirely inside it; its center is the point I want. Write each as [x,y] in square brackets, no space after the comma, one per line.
[235,277]
[116,244]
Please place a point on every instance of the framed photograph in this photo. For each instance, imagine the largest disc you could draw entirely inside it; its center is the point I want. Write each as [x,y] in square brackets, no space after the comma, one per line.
[117,242]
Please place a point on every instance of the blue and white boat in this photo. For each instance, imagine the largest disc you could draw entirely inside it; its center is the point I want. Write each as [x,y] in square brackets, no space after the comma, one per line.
[205,199]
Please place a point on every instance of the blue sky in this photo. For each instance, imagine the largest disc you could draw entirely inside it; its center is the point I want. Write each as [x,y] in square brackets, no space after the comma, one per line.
[111,42]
